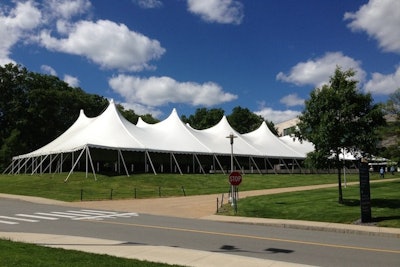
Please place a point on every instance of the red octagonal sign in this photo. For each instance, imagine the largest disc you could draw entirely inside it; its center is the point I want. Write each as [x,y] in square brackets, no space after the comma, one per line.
[235,178]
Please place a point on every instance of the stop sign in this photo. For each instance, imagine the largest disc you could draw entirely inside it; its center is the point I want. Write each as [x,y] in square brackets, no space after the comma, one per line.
[235,178]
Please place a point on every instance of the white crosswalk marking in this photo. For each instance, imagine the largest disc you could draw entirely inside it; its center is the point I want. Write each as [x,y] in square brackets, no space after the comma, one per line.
[37,217]
[107,216]
[69,214]
[17,219]
[7,222]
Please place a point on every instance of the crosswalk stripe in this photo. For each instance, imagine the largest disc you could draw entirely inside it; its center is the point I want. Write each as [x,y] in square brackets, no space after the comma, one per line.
[101,211]
[18,219]
[71,214]
[37,217]
[88,212]
[7,222]
[55,214]
[107,216]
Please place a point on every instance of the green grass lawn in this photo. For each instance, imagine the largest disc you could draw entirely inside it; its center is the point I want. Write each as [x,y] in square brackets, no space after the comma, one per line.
[27,255]
[148,185]
[322,205]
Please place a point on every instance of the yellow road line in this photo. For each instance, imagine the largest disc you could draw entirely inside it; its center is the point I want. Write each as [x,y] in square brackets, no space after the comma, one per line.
[252,237]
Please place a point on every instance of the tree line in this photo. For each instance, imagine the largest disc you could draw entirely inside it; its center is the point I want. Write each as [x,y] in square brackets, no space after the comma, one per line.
[36,108]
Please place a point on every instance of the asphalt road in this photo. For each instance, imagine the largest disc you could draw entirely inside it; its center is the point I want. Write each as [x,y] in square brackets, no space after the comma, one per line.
[274,243]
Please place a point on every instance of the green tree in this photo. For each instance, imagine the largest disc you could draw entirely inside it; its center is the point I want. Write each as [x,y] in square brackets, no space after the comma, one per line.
[243,120]
[204,118]
[391,133]
[36,108]
[338,117]
[393,104]
[131,116]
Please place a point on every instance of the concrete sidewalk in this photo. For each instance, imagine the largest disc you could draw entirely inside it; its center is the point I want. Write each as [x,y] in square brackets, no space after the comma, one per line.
[198,207]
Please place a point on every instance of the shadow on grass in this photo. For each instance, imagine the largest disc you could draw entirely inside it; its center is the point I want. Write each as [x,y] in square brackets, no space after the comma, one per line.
[377,203]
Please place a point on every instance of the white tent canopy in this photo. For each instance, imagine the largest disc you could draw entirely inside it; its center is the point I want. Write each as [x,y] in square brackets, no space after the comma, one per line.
[111,131]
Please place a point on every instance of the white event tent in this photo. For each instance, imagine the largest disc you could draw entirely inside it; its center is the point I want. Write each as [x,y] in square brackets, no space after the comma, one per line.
[109,139]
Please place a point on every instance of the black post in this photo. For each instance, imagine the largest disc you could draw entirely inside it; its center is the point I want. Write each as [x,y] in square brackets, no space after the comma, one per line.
[81,194]
[135,191]
[365,194]
[159,191]
[111,194]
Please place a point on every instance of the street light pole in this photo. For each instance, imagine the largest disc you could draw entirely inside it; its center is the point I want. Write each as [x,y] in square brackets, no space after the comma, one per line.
[231,137]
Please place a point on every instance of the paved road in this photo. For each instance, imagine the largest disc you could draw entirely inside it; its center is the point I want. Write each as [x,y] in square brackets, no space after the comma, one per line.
[242,242]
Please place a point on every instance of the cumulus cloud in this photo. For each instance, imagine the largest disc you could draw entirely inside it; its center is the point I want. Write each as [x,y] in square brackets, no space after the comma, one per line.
[48,69]
[219,11]
[111,45]
[277,116]
[380,19]
[71,80]
[156,91]
[317,71]
[292,100]
[14,24]
[67,9]
[148,3]
[383,84]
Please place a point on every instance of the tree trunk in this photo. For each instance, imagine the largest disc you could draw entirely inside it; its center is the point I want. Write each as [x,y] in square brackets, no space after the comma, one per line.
[340,185]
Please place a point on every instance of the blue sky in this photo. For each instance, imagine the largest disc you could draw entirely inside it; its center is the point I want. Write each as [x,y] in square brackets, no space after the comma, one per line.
[156,55]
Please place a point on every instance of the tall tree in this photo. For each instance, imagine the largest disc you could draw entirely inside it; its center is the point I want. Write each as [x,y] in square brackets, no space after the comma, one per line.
[391,133]
[243,120]
[204,118]
[393,104]
[36,108]
[337,118]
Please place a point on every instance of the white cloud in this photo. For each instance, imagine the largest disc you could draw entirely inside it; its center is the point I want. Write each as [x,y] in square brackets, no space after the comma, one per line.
[317,71]
[143,109]
[14,23]
[71,80]
[380,19]
[383,84]
[67,9]
[292,100]
[148,3]
[48,69]
[277,116]
[156,91]
[220,11]
[111,45]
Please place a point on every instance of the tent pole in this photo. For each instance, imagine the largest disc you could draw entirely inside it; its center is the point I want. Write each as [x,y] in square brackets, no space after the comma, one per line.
[287,167]
[123,162]
[51,161]
[86,162]
[73,166]
[151,162]
[219,164]
[198,161]
[39,165]
[255,164]
[20,167]
[8,167]
[91,162]
[176,162]
[237,162]
[272,167]
[297,163]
